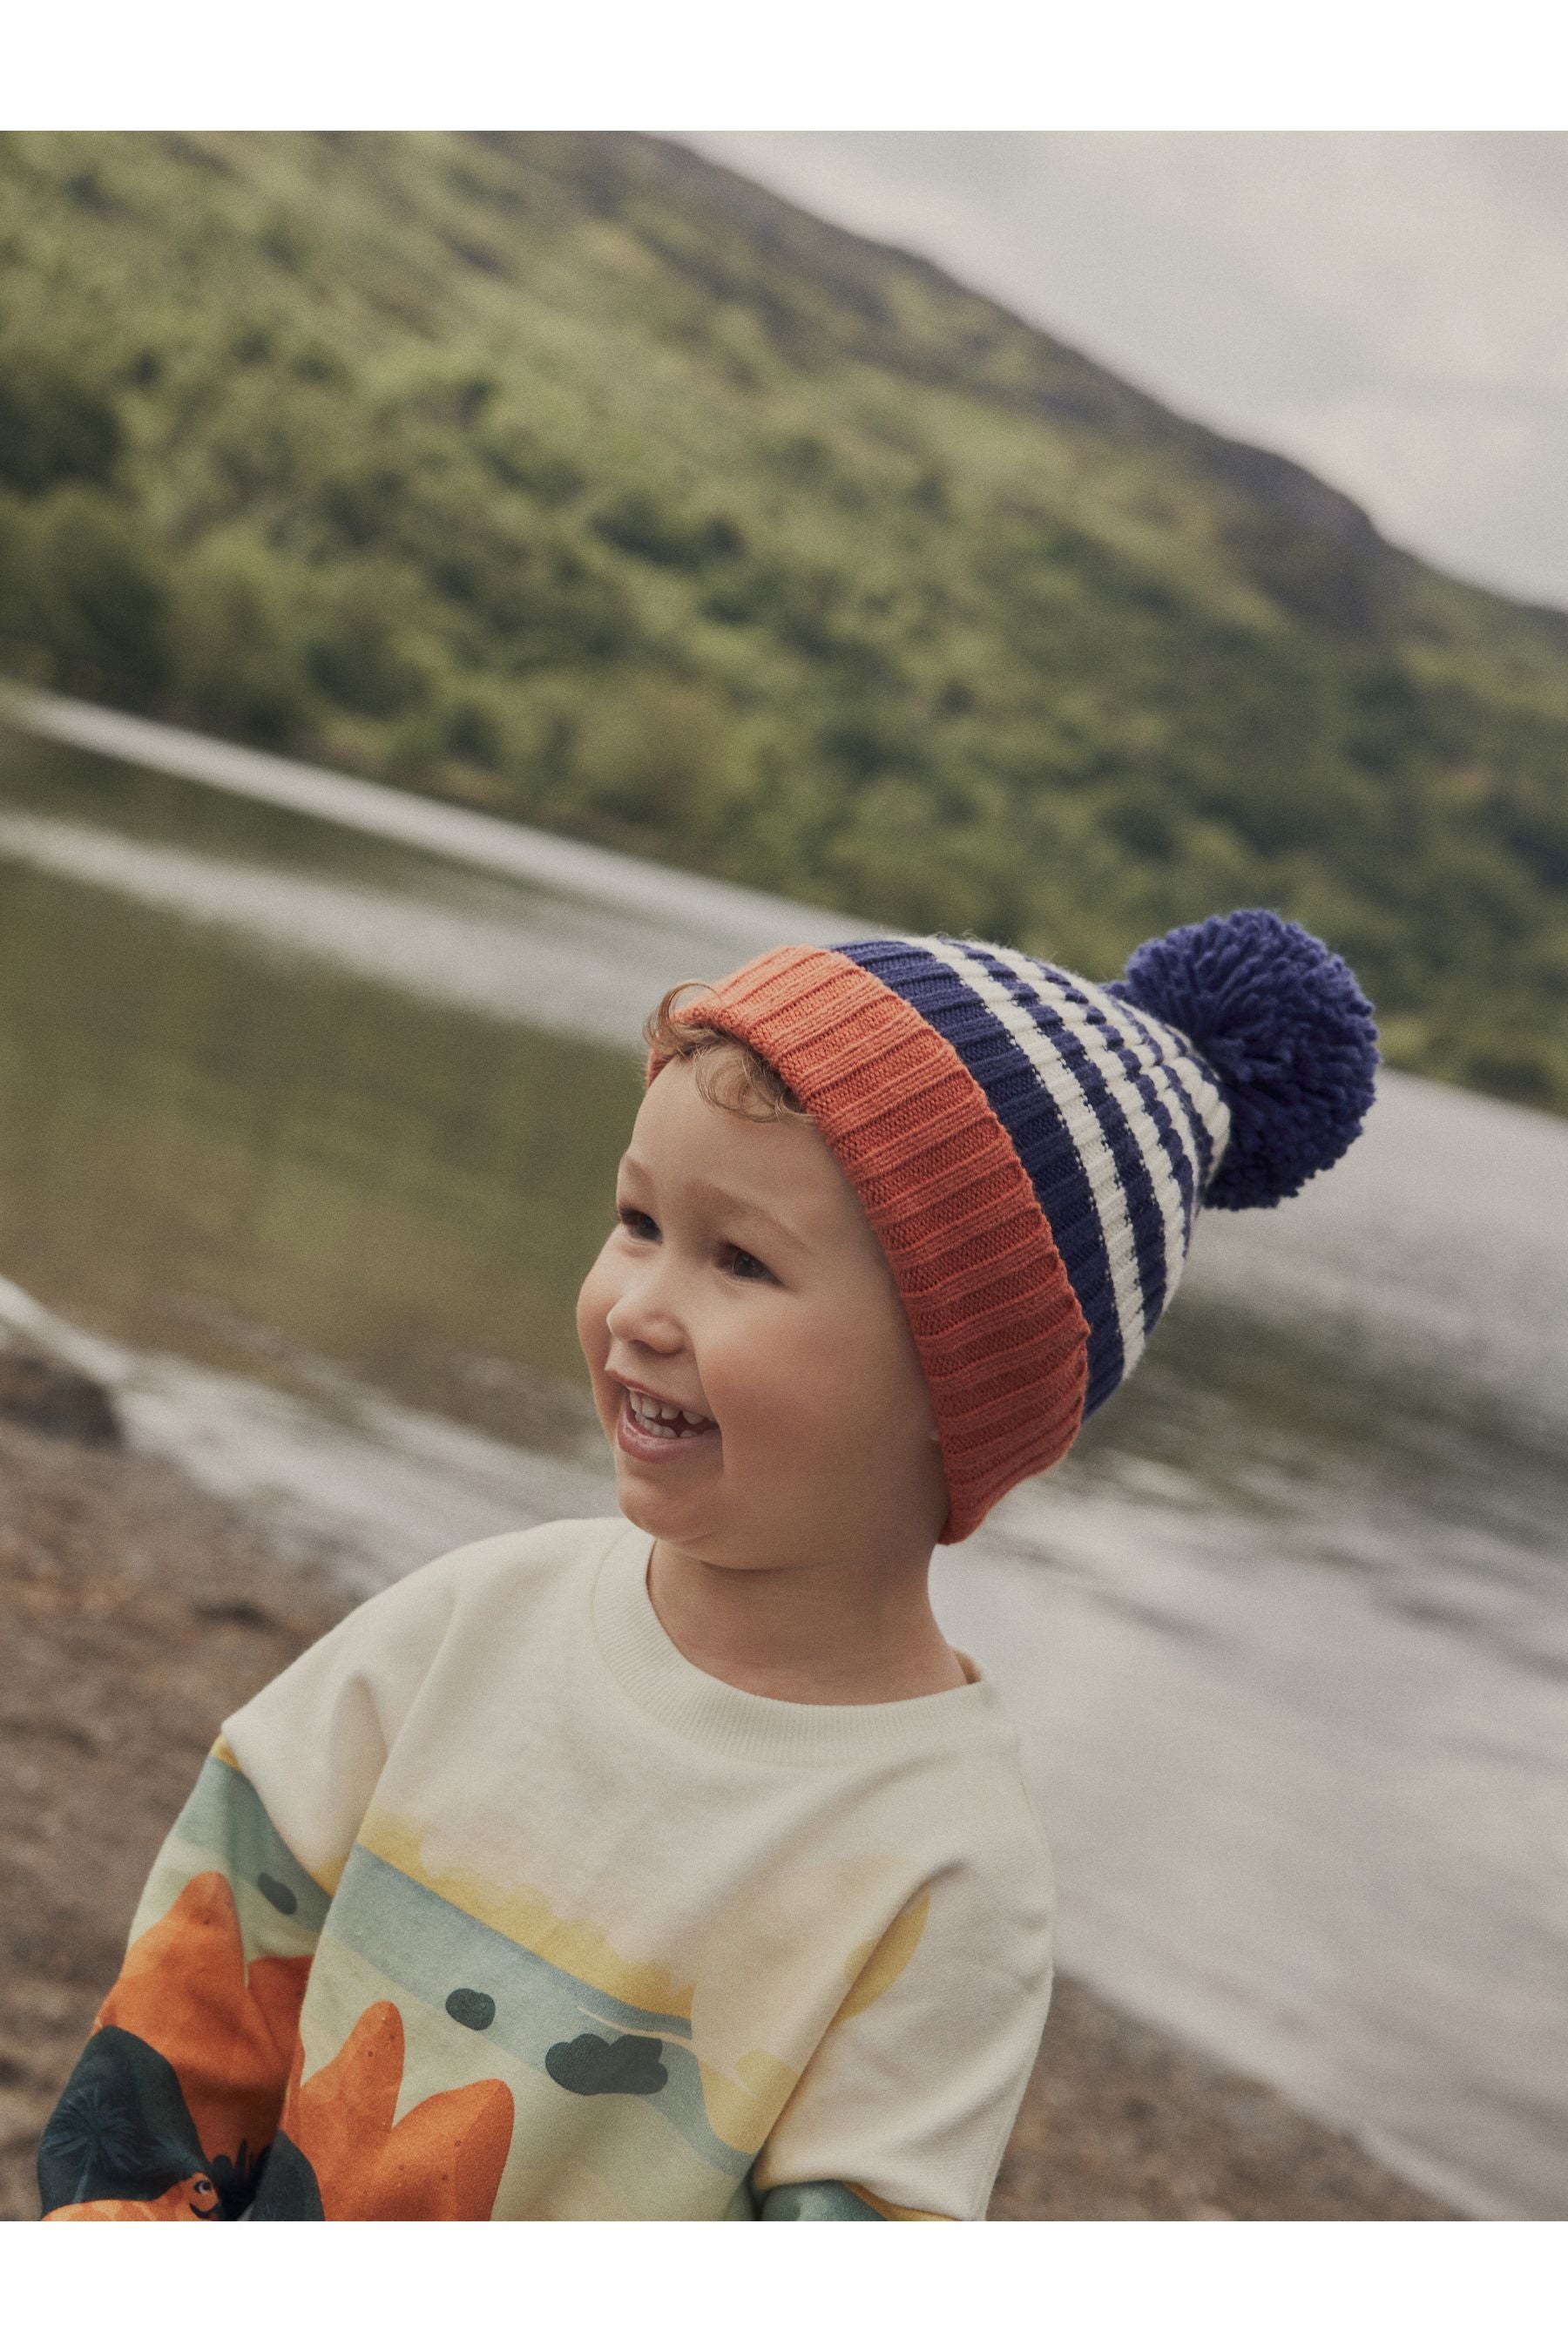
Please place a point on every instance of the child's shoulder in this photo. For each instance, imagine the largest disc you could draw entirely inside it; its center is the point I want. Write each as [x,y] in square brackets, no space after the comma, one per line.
[951,1788]
[1004,1819]
[479,1607]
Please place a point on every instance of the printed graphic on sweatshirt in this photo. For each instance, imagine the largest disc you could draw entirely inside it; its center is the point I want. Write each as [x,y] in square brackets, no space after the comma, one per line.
[600,2020]
[566,2043]
[340,2154]
[174,2100]
[393,2053]
[171,2111]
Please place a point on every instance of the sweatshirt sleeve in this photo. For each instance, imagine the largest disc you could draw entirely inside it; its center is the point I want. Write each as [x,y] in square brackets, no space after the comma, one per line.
[905,2109]
[172,2106]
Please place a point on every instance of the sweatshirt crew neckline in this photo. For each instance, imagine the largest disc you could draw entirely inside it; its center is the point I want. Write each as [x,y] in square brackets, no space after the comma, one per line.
[666,1685]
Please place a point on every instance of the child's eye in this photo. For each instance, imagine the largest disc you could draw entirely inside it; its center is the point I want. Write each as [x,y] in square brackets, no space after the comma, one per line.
[745,1257]
[632,1217]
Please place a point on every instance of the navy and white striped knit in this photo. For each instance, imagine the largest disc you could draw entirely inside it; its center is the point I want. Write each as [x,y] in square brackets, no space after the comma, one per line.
[1117,1119]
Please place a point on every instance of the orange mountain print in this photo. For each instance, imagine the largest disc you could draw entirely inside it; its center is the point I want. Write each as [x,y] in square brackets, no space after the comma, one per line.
[442,2163]
[228,2032]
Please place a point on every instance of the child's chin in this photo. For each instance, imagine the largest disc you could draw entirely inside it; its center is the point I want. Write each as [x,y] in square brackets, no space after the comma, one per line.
[654,1498]
[675,1530]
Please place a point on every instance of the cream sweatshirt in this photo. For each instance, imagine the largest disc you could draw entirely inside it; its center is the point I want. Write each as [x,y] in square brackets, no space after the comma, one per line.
[493,1905]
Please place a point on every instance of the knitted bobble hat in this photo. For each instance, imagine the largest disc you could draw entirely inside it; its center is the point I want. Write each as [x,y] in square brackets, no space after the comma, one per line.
[1032,1148]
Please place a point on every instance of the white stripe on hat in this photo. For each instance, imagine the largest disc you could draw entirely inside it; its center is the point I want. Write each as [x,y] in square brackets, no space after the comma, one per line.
[1182,1143]
[1101,1173]
[1113,1070]
[1206,1099]
[1153,1046]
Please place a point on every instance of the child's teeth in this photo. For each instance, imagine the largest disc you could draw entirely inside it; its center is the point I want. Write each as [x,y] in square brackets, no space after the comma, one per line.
[662,1416]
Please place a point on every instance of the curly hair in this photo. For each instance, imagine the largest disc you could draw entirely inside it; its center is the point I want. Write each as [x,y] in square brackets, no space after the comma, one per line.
[729,1073]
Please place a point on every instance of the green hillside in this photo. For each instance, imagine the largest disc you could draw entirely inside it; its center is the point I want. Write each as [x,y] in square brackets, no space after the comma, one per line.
[572,476]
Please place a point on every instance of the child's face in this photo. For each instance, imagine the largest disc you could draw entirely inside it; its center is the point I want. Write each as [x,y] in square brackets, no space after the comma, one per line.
[790,1334]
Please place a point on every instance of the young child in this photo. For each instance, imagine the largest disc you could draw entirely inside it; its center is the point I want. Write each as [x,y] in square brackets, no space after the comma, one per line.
[671,1865]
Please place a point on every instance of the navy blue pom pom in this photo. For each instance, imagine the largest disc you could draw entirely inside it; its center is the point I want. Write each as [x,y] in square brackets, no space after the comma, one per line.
[1280,1020]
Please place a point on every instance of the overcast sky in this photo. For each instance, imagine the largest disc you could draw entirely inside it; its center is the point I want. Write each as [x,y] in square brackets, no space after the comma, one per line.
[1391,307]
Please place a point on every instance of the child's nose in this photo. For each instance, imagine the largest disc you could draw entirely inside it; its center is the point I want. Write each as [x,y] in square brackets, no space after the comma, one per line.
[646,1308]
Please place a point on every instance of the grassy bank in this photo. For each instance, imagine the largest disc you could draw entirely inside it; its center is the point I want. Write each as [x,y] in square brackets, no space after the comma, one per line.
[572,476]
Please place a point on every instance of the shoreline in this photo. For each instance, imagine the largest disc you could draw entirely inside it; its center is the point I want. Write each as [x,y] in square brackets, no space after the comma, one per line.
[138,1610]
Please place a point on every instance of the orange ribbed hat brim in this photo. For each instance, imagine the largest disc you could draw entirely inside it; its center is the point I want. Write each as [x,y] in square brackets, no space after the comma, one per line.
[1001,1336]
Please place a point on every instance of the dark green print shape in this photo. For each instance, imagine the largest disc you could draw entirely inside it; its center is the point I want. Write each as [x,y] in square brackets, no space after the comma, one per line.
[288,2190]
[122,2128]
[477,2011]
[590,2064]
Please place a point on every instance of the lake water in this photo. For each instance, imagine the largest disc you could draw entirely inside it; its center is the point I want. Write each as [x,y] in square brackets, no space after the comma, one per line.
[310,1098]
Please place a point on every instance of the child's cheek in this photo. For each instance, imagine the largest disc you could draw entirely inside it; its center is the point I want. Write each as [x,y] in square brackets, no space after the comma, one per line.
[805,1421]
[594,1300]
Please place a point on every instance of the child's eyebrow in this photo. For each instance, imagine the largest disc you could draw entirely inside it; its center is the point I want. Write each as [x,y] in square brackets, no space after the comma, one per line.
[704,1188]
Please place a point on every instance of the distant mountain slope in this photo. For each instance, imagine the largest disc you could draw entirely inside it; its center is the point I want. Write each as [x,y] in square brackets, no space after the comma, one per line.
[572,474]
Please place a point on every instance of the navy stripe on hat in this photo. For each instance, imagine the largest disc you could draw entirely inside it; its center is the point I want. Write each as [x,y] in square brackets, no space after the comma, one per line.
[1084,1055]
[1135,1053]
[1049,1114]
[1208,1127]
[1153,1192]
[1116,1119]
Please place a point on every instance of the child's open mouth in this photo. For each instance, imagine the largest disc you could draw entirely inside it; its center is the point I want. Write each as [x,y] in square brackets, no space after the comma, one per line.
[647,1440]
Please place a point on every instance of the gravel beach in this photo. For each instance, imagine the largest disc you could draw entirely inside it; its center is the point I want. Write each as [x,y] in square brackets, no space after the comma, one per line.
[136,1611]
